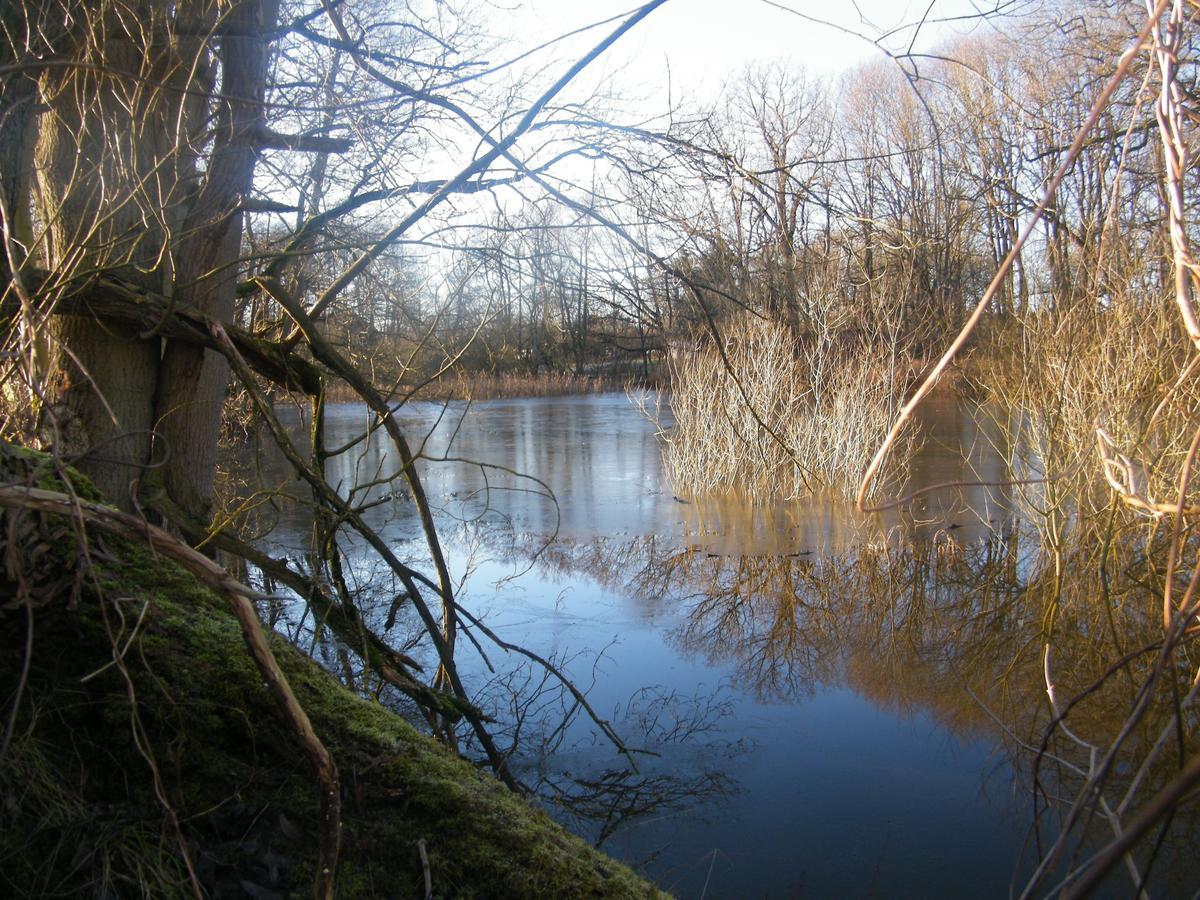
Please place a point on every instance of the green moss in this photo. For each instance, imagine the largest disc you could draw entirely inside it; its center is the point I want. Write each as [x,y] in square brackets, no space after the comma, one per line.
[87,817]
[43,471]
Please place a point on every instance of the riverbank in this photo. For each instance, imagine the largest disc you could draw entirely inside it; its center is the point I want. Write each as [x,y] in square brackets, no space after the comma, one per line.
[486,386]
[146,756]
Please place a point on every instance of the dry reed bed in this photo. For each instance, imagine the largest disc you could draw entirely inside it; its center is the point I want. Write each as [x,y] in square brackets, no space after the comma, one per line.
[1060,376]
[781,420]
[494,386]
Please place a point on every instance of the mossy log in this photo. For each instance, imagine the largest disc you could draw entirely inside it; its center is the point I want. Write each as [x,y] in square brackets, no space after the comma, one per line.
[140,742]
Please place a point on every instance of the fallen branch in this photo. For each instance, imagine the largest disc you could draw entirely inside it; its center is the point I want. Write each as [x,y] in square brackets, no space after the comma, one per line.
[110,298]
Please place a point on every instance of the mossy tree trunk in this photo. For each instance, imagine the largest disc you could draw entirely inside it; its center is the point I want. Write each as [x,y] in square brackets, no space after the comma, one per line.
[123,131]
[192,380]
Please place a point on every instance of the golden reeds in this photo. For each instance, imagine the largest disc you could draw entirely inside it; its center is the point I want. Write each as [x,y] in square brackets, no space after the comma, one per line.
[781,420]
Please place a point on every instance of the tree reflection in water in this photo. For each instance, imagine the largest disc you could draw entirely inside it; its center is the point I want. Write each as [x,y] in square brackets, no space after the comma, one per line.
[555,754]
[935,625]
[1055,656]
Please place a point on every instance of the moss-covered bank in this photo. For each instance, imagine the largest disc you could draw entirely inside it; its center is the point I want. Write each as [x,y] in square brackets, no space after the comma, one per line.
[185,707]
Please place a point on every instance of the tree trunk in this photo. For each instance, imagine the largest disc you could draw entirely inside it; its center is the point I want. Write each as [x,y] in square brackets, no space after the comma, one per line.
[118,190]
[110,184]
[193,381]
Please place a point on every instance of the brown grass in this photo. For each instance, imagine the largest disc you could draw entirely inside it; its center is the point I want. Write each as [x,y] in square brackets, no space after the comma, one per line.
[801,422]
[493,386]
[1057,377]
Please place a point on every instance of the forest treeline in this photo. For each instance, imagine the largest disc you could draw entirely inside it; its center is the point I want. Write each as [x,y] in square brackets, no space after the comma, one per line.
[801,247]
[870,209]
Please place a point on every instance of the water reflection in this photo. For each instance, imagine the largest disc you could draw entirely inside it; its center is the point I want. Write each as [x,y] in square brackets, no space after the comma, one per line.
[901,626]
[870,690]
[580,468]
[950,632]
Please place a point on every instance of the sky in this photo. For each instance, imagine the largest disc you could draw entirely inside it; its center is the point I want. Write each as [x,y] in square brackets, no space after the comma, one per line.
[677,59]
[701,43]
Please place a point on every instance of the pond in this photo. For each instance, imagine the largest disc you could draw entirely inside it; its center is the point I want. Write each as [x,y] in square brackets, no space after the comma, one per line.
[834,704]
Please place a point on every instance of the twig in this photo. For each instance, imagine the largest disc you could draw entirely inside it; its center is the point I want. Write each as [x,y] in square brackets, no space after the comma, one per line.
[425,870]
[1114,820]
[1161,804]
[1129,478]
[906,412]
[336,502]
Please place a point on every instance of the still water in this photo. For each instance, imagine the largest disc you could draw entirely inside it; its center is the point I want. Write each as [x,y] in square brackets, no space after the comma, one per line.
[822,691]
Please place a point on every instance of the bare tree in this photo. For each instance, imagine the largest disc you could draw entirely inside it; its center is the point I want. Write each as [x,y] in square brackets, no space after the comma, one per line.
[193,155]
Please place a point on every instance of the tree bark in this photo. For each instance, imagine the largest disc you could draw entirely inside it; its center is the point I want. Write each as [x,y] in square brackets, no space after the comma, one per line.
[111,176]
[193,381]
[118,192]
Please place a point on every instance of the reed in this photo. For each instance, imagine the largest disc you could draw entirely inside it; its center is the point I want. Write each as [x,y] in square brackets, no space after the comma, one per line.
[1057,378]
[781,420]
[498,385]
